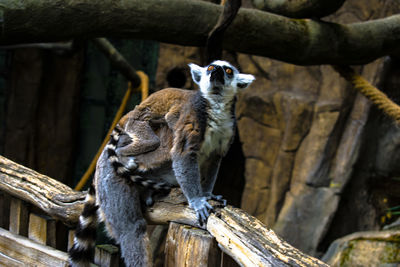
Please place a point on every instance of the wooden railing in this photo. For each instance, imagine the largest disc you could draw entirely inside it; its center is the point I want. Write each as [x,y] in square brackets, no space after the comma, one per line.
[35,233]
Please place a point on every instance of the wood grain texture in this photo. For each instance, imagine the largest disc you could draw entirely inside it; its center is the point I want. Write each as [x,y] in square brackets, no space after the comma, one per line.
[189,246]
[250,243]
[15,249]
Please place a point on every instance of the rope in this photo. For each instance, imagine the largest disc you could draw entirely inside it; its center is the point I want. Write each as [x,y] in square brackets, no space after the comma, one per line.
[144,88]
[377,97]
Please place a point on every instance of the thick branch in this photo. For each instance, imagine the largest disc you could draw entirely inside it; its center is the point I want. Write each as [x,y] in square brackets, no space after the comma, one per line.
[255,32]
[240,235]
[300,8]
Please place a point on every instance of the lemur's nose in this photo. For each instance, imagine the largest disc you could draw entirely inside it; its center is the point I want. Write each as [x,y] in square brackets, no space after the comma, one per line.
[218,75]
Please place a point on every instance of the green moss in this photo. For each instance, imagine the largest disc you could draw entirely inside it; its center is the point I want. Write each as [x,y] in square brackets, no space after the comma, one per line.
[391,253]
[345,258]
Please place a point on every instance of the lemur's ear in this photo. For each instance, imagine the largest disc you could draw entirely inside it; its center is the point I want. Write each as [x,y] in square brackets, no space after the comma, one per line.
[196,72]
[244,80]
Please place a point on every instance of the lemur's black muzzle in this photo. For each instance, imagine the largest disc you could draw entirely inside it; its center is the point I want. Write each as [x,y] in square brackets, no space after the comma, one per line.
[218,75]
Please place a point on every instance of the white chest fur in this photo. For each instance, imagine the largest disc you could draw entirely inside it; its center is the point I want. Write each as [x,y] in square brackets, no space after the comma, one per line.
[219,130]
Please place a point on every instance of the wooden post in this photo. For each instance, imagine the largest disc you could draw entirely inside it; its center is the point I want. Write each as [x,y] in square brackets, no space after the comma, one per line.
[42,229]
[19,216]
[188,246]
[106,256]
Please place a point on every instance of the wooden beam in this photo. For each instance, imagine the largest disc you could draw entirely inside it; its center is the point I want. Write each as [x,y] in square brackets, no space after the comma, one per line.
[15,249]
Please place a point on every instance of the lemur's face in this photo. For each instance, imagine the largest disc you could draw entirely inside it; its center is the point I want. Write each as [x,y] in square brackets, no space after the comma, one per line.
[220,78]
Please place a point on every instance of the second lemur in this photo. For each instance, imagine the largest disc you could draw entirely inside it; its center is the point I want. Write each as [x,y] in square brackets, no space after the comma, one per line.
[174,138]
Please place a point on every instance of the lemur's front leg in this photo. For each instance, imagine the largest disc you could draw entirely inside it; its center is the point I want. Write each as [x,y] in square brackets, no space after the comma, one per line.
[209,171]
[187,173]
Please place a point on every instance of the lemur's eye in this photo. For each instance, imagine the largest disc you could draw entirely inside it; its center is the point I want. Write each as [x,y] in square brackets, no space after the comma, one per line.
[211,67]
[228,71]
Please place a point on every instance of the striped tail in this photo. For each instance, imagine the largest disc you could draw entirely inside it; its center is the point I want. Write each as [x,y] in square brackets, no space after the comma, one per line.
[128,171]
[81,253]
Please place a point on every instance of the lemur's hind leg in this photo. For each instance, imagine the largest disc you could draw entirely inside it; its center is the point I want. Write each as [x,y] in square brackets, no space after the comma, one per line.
[124,146]
[140,139]
[121,205]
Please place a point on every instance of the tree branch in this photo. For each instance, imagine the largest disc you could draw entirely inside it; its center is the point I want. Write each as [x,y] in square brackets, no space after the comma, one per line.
[300,8]
[304,42]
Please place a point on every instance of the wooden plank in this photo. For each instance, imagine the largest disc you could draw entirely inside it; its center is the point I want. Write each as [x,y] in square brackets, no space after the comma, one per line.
[37,229]
[21,249]
[42,229]
[188,246]
[51,227]
[19,217]
[106,256]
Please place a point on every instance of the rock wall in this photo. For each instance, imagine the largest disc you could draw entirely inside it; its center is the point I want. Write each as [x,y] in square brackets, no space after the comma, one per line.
[301,132]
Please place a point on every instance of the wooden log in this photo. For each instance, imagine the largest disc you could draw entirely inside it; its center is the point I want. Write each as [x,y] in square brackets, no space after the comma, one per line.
[53,197]
[19,217]
[19,251]
[106,256]
[189,246]
[42,229]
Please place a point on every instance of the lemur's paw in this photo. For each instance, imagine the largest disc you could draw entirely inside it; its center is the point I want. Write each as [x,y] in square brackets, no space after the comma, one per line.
[128,166]
[202,208]
[218,198]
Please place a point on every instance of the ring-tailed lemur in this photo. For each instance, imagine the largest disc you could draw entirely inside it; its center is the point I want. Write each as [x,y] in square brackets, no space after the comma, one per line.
[174,138]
